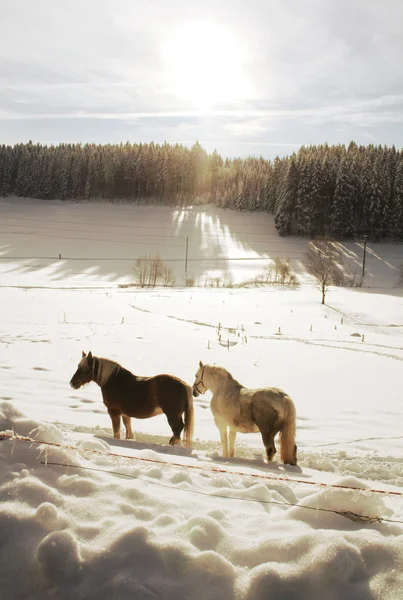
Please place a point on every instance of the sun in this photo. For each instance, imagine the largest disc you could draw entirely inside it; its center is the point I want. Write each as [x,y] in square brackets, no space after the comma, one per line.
[205,65]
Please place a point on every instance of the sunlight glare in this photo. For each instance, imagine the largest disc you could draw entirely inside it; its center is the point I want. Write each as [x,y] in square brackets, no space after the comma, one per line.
[205,64]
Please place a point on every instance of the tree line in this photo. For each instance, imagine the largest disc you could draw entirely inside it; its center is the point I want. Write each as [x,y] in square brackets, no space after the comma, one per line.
[337,191]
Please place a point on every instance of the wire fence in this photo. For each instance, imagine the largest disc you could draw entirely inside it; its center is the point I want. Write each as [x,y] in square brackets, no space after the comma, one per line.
[15,438]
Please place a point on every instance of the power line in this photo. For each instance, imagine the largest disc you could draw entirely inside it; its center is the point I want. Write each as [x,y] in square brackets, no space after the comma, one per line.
[210,237]
[206,259]
[182,224]
[137,230]
[136,221]
[92,239]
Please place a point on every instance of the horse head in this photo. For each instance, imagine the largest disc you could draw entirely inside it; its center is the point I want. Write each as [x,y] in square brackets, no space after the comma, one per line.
[84,373]
[199,387]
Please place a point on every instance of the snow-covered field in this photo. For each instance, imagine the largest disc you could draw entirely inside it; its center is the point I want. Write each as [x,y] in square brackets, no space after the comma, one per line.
[156,522]
[99,243]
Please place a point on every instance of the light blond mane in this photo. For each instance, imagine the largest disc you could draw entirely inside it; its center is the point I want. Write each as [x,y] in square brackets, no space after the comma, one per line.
[222,374]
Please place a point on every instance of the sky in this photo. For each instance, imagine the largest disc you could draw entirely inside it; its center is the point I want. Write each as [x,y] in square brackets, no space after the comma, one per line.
[245,77]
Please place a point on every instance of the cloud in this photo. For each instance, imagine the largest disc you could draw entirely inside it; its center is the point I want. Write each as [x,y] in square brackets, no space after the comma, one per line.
[244,77]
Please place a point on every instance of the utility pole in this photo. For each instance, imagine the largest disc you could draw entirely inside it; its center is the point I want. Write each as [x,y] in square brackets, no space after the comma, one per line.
[363,257]
[186,258]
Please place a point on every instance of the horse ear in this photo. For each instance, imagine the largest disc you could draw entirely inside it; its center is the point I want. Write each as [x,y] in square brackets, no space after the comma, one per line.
[200,364]
[83,354]
[89,355]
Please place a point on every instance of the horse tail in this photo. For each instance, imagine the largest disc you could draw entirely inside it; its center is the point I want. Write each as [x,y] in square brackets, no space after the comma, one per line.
[189,416]
[288,448]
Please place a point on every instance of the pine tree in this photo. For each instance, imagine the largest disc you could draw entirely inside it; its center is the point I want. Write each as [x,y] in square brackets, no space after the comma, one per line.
[176,174]
[328,189]
[366,177]
[285,207]
[304,202]
[316,224]
[64,186]
[373,196]
[398,200]
[342,216]
[6,186]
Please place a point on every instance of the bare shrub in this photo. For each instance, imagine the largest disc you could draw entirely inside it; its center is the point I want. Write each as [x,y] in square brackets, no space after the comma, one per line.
[259,278]
[168,276]
[228,280]
[350,278]
[189,281]
[283,270]
[209,281]
[292,280]
[268,272]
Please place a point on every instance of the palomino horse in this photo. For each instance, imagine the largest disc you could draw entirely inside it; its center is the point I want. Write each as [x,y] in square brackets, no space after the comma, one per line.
[234,407]
[126,395]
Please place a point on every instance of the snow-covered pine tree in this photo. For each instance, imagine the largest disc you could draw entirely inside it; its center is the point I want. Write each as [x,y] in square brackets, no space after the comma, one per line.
[375,199]
[286,205]
[342,215]
[64,176]
[304,197]
[398,200]
[8,167]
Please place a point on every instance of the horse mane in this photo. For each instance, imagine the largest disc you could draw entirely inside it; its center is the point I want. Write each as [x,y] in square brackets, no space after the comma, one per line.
[104,369]
[221,371]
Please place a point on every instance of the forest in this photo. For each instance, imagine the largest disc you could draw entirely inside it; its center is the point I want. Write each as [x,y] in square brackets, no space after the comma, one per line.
[335,191]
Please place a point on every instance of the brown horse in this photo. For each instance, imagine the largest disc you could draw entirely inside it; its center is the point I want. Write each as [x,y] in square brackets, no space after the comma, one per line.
[126,395]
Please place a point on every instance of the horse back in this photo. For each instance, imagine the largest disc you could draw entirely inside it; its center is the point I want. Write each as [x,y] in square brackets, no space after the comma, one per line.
[272,397]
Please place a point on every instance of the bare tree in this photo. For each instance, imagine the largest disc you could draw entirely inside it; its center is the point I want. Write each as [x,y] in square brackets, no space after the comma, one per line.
[141,270]
[148,270]
[168,276]
[280,273]
[157,267]
[322,262]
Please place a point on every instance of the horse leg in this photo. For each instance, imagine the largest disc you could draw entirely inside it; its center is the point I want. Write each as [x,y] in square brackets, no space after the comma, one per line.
[176,423]
[127,422]
[222,428]
[232,436]
[268,442]
[267,421]
[115,418]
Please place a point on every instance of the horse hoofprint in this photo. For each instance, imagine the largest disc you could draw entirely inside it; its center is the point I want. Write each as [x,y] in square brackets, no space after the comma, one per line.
[238,409]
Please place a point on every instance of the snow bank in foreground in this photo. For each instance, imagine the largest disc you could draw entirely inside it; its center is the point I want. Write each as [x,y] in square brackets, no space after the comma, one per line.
[147,532]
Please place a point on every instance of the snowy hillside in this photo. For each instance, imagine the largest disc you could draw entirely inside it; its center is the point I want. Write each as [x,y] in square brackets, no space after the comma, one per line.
[139,519]
[99,243]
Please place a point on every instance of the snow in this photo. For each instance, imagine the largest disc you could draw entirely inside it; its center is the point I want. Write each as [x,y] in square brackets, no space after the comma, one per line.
[124,519]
